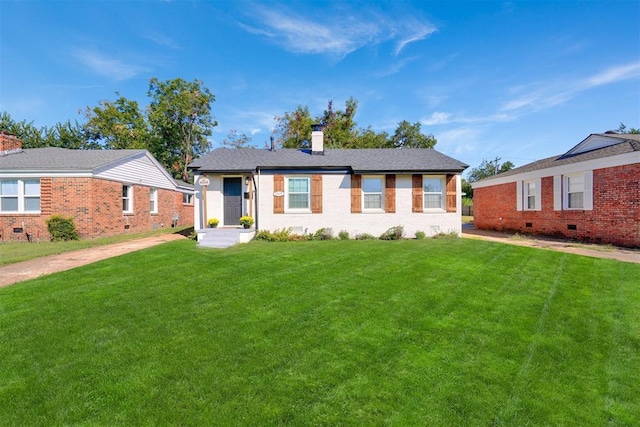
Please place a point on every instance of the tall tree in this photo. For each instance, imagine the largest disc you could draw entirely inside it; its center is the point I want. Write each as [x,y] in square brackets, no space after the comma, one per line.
[340,127]
[409,135]
[293,129]
[488,168]
[181,119]
[67,135]
[117,125]
[623,129]
[368,138]
[30,135]
[233,140]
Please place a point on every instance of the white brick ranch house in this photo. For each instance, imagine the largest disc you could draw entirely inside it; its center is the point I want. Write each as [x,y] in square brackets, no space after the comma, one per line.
[355,190]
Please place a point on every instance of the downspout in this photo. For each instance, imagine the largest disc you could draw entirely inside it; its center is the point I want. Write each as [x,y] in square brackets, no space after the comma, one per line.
[255,199]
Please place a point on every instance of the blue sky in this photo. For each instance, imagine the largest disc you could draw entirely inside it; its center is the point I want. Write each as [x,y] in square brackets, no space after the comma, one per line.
[516,80]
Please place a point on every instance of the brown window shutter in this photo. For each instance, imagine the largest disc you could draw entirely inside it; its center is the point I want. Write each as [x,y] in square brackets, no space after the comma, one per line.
[416,184]
[451,193]
[356,193]
[316,194]
[45,196]
[390,194]
[278,201]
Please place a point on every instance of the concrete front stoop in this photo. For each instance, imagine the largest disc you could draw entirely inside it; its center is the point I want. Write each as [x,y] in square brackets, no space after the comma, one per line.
[224,237]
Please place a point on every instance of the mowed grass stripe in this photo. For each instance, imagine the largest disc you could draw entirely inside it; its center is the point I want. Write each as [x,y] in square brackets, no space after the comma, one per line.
[439,332]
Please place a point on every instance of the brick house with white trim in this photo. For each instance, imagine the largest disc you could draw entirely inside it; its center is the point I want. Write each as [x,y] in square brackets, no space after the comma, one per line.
[354,190]
[590,193]
[106,192]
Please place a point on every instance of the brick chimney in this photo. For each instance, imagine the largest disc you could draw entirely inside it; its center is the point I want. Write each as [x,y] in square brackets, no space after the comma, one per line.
[9,144]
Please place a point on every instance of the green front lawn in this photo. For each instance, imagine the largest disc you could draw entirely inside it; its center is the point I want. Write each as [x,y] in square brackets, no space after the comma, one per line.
[13,252]
[427,332]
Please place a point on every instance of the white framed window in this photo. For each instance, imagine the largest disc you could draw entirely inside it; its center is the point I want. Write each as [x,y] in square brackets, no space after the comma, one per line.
[187,199]
[530,195]
[372,193]
[433,192]
[153,200]
[575,191]
[298,194]
[20,195]
[127,198]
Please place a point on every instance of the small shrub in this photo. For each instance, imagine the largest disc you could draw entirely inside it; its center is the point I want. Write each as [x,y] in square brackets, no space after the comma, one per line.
[420,235]
[443,235]
[62,228]
[394,233]
[343,235]
[282,235]
[323,234]
[365,236]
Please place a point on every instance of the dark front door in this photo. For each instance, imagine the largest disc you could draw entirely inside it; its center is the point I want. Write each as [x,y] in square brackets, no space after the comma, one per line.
[232,191]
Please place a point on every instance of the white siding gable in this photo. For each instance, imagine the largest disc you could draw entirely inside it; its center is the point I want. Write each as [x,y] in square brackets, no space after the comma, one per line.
[142,170]
[593,142]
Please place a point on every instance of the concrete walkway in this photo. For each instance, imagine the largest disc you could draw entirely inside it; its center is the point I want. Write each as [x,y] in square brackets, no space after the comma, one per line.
[584,249]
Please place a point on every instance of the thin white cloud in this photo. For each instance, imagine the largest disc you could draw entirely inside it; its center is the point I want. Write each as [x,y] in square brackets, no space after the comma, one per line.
[613,75]
[345,32]
[443,118]
[113,68]
[436,118]
[162,40]
[414,32]
[396,67]
[463,140]
[540,96]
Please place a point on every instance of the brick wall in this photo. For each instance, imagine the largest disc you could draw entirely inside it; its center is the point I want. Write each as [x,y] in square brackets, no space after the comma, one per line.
[615,218]
[96,207]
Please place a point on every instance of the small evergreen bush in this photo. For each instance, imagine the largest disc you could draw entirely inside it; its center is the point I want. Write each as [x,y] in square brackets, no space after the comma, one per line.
[420,235]
[323,234]
[443,235]
[282,235]
[343,235]
[365,236]
[62,228]
[394,233]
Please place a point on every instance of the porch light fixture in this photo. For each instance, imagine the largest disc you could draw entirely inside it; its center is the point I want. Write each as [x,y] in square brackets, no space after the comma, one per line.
[246,180]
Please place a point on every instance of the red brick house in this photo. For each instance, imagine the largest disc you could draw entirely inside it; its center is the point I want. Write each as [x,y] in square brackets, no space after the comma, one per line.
[590,193]
[106,192]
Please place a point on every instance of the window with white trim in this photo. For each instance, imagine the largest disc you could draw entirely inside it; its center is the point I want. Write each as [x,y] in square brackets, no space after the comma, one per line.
[20,195]
[372,193]
[153,200]
[187,198]
[127,198]
[575,191]
[298,194]
[433,192]
[530,195]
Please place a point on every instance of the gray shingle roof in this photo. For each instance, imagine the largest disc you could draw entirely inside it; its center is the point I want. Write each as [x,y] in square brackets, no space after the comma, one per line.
[627,144]
[224,160]
[58,159]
